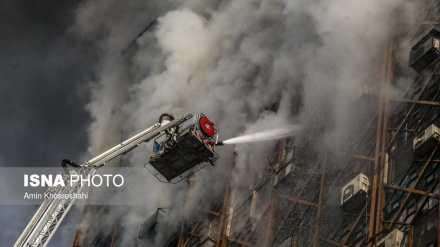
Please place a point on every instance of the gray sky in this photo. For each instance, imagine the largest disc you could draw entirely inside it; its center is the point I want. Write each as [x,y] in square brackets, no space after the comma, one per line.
[44,79]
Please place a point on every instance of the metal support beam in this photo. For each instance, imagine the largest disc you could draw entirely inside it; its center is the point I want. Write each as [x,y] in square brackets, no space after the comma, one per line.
[428,22]
[304,202]
[293,241]
[413,191]
[76,240]
[425,113]
[320,200]
[269,238]
[238,241]
[416,183]
[420,206]
[355,224]
[114,239]
[356,156]
[381,191]
[416,30]
[182,241]
[223,227]
[373,211]
[438,222]
[410,111]
[432,161]
[417,102]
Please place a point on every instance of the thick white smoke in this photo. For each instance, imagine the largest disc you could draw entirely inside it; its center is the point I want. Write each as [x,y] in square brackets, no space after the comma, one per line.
[248,65]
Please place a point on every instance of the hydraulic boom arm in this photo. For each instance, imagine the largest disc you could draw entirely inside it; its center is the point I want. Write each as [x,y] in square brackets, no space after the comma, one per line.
[52,211]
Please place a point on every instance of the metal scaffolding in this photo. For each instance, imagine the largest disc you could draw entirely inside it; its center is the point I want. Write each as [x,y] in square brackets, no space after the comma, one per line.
[403,194]
[297,202]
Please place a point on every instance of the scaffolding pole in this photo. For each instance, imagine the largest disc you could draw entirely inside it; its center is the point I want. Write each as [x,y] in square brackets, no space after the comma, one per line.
[376,171]
[182,240]
[358,219]
[381,191]
[438,221]
[271,222]
[413,191]
[416,183]
[224,216]
[410,111]
[320,200]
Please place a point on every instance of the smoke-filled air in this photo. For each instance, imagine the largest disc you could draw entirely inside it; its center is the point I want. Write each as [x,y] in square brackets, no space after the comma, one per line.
[250,66]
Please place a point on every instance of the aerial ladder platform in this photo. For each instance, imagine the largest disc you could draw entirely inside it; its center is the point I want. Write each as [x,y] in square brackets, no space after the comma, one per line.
[181,143]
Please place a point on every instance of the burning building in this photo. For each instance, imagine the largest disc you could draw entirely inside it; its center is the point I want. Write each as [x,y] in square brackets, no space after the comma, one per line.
[362,172]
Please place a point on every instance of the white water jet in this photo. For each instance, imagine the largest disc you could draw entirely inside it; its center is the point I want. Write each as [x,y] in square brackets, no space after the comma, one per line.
[265,135]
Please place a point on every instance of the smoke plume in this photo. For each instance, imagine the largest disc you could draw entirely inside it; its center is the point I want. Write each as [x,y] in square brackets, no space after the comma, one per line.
[248,65]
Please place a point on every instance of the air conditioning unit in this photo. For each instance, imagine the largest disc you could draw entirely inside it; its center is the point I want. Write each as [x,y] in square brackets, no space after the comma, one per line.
[393,239]
[282,174]
[426,52]
[354,194]
[426,140]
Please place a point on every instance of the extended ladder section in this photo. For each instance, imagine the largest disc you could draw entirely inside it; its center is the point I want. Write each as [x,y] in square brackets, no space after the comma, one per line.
[52,211]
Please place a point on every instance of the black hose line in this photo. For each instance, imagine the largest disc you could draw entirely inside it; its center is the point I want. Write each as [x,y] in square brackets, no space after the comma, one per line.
[165,115]
[171,119]
[66,162]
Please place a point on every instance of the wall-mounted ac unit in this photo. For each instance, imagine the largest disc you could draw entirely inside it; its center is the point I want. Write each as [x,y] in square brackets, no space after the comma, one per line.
[282,174]
[426,52]
[393,239]
[354,194]
[426,140]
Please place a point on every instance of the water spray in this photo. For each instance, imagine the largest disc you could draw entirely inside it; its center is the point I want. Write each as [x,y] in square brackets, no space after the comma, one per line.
[265,135]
